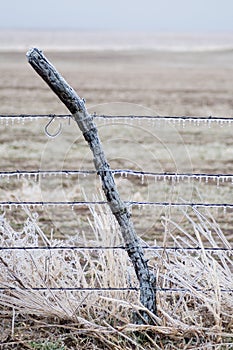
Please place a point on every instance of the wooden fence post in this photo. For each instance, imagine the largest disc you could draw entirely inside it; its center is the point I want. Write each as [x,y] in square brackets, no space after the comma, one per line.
[86,124]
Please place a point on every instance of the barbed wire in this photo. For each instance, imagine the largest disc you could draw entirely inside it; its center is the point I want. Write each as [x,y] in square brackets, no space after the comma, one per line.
[166,176]
[104,116]
[33,117]
[125,172]
[101,289]
[158,248]
[166,117]
[192,119]
[129,203]
[196,120]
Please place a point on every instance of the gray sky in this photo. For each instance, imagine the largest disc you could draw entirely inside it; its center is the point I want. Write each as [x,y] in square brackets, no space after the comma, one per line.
[125,15]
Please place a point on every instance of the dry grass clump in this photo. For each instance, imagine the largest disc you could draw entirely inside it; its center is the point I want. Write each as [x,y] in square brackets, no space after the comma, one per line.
[196,314]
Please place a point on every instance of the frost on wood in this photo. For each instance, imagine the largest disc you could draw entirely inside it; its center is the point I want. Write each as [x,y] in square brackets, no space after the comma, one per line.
[86,124]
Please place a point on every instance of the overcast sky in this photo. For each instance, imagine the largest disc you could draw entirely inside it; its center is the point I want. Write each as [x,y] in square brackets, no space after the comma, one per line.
[124,15]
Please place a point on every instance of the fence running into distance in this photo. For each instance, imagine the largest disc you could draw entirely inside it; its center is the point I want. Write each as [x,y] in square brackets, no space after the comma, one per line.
[218,178]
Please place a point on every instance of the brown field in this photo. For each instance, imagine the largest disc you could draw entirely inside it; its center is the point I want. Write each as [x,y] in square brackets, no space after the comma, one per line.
[120,83]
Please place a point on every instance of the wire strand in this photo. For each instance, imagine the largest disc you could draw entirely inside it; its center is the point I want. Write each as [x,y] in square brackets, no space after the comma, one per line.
[158,248]
[124,172]
[33,117]
[80,289]
[129,203]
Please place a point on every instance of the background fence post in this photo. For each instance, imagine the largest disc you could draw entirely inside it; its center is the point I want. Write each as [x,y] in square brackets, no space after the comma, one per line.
[86,124]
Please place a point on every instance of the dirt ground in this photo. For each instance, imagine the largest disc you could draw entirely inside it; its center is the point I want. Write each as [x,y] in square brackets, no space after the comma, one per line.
[120,83]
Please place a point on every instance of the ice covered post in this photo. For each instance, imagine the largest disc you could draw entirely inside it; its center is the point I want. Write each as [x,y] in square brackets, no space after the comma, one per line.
[119,209]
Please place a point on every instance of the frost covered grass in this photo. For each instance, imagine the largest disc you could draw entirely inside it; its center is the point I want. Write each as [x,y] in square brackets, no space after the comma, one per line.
[194,306]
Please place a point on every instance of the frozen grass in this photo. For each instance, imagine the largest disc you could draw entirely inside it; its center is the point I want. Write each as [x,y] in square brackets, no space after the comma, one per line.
[198,318]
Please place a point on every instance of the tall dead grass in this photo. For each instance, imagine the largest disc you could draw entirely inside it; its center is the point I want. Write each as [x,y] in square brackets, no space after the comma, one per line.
[195,306]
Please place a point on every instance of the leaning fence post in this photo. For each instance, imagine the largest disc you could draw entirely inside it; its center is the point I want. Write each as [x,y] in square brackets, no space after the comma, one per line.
[86,124]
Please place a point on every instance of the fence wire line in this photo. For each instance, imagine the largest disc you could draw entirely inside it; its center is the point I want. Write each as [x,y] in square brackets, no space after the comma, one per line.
[123,172]
[33,117]
[80,289]
[72,204]
[210,249]
[168,176]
